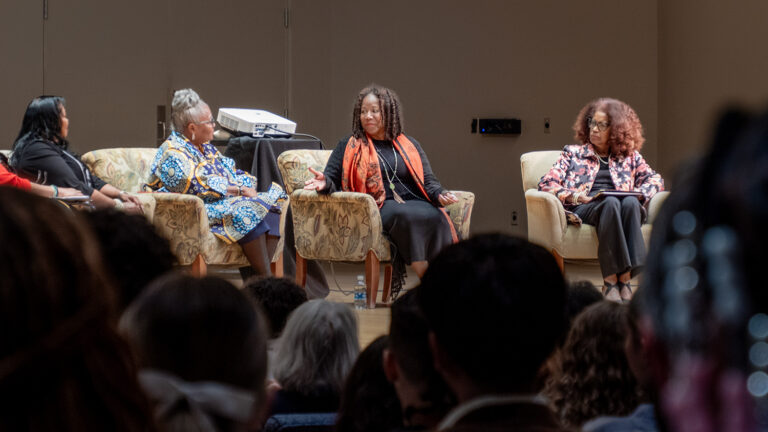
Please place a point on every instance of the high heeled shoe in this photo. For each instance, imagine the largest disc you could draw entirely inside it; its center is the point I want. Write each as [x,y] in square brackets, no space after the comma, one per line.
[611,291]
[625,291]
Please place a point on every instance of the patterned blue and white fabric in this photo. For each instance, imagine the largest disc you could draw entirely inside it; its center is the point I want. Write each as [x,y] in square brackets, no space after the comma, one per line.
[181,167]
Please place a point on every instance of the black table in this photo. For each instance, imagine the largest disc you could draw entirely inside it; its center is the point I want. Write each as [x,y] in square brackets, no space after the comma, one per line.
[258,156]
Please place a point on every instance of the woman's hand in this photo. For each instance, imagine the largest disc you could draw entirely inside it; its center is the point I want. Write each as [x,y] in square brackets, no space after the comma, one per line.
[317,183]
[133,208]
[247,191]
[447,198]
[129,199]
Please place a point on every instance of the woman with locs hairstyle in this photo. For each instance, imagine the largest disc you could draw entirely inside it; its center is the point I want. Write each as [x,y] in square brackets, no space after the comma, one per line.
[188,163]
[378,159]
[41,152]
[608,158]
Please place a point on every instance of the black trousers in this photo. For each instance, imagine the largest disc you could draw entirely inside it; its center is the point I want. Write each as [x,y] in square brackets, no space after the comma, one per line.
[620,240]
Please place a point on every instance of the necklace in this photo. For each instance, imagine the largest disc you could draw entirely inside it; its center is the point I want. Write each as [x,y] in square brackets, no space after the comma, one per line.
[392,179]
[605,161]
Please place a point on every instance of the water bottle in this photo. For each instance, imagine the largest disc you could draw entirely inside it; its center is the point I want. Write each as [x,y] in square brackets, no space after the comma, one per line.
[360,292]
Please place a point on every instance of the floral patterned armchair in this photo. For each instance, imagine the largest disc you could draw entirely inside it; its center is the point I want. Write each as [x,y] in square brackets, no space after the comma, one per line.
[547,222]
[180,218]
[345,226]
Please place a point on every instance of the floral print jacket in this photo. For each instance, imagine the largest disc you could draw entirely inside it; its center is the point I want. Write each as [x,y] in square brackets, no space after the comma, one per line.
[576,169]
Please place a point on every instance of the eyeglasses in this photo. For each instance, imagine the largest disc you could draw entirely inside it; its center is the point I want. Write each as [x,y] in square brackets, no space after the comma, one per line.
[601,126]
[211,122]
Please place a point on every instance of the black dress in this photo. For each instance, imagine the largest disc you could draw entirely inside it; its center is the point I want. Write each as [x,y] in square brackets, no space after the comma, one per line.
[46,163]
[417,229]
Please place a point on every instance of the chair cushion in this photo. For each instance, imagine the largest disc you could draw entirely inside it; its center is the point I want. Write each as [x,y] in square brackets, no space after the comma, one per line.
[534,165]
[294,166]
[123,168]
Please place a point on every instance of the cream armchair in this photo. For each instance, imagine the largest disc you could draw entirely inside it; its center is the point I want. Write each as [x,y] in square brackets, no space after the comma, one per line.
[547,223]
[180,218]
[345,226]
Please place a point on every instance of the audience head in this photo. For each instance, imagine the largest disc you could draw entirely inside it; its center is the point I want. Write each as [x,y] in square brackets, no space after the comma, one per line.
[424,396]
[494,305]
[133,252]
[191,116]
[389,107]
[592,376]
[190,332]
[626,131]
[369,402]
[317,348]
[580,295]
[62,364]
[703,302]
[44,119]
[278,297]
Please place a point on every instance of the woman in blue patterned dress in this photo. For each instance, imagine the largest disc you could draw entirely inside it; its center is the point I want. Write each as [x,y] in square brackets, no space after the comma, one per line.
[188,163]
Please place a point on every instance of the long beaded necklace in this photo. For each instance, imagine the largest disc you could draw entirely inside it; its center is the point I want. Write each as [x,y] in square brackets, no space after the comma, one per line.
[392,179]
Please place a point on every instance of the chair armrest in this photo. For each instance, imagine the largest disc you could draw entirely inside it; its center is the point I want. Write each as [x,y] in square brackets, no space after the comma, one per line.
[461,212]
[342,226]
[654,205]
[546,219]
[181,219]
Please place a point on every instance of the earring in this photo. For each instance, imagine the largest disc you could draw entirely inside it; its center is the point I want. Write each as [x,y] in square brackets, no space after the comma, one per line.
[193,136]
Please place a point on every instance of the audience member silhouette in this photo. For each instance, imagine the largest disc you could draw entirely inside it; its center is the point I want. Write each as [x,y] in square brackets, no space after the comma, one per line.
[63,366]
[369,402]
[316,352]
[703,314]
[591,375]
[134,254]
[424,396]
[202,348]
[494,305]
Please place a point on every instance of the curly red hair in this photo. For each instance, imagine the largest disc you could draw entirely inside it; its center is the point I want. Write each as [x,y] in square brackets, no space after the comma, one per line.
[626,133]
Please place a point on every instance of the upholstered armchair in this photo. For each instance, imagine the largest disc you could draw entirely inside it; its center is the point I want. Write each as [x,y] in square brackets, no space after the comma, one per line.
[547,223]
[180,218]
[345,226]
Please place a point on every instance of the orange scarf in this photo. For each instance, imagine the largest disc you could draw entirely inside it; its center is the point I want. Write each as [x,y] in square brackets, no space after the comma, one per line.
[361,171]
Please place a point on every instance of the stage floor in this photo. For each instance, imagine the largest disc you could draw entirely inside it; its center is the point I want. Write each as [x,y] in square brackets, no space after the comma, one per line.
[375,322]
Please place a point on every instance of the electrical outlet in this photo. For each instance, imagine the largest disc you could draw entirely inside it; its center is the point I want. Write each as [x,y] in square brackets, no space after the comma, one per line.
[513,218]
[547,125]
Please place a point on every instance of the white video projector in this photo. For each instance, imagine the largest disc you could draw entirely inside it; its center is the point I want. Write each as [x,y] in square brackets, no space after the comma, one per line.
[257,123]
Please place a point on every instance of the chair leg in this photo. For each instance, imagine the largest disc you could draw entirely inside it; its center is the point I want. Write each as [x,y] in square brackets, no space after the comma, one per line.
[199,268]
[277,267]
[559,260]
[301,270]
[371,278]
[387,284]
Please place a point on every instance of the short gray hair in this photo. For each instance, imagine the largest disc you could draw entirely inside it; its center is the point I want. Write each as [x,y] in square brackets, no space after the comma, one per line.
[185,108]
[317,348]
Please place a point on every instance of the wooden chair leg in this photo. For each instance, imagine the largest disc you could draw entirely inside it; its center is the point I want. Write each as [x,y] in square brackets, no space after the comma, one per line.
[371,278]
[559,260]
[301,270]
[277,266]
[199,268]
[387,284]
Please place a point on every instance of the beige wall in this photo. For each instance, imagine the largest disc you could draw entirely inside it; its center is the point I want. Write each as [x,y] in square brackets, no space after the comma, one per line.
[711,54]
[459,60]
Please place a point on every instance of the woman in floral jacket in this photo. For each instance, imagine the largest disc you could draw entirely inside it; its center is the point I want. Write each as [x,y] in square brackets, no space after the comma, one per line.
[608,158]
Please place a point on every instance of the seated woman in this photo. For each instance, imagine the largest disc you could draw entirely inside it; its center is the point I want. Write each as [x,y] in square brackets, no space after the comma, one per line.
[7,178]
[188,163]
[382,162]
[608,158]
[41,153]
[316,352]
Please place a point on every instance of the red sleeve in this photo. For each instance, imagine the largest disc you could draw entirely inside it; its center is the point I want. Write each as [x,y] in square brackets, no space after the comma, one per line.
[8,178]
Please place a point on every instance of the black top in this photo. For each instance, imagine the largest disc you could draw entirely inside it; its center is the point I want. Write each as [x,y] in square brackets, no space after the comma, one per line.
[291,402]
[46,163]
[603,180]
[405,184]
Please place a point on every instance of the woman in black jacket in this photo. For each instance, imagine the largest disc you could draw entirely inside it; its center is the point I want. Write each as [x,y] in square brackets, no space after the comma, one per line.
[40,153]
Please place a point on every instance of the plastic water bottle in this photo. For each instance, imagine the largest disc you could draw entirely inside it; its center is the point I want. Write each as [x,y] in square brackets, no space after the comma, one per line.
[360,293]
